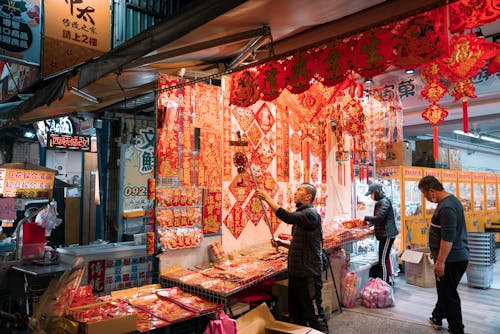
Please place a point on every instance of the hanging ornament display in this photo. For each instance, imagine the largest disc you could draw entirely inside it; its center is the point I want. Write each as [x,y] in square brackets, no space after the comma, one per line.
[468,55]
[435,114]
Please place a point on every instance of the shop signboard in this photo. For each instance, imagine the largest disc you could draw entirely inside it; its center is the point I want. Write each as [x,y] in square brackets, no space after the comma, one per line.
[66,142]
[28,183]
[78,31]
[15,78]
[20,31]
[138,166]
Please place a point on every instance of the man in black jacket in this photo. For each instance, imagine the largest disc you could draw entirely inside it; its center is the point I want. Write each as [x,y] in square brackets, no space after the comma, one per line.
[304,257]
[385,228]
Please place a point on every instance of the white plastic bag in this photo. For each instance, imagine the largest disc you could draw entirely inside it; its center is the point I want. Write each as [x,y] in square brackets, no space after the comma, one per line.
[47,217]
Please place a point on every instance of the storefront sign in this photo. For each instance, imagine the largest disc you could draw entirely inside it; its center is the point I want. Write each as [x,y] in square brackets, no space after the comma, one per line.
[77,143]
[138,166]
[20,31]
[96,272]
[27,183]
[78,31]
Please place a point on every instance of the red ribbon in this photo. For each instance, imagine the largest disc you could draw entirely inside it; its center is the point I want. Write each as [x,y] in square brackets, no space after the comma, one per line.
[435,142]
[465,108]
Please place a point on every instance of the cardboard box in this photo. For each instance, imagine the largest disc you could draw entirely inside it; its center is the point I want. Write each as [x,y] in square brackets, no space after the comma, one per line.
[260,320]
[424,155]
[117,325]
[397,154]
[418,267]
[455,158]
[330,302]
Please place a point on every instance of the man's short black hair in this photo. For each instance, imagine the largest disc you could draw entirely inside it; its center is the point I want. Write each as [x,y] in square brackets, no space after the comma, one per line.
[429,182]
[310,189]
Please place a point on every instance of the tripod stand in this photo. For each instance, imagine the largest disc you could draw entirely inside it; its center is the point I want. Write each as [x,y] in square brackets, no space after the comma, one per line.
[328,264]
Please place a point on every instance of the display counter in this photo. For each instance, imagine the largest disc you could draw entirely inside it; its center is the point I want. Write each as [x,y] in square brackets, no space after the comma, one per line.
[111,266]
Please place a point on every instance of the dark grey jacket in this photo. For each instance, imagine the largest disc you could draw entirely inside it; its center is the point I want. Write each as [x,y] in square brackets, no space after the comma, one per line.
[383,219]
[304,253]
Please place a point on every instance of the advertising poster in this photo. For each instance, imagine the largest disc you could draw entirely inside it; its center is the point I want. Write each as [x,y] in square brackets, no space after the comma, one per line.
[20,31]
[78,31]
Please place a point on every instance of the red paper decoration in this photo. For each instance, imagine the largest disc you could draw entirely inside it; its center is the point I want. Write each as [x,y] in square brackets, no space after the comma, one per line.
[421,40]
[244,88]
[434,91]
[435,114]
[300,70]
[372,51]
[332,63]
[271,80]
[468,14]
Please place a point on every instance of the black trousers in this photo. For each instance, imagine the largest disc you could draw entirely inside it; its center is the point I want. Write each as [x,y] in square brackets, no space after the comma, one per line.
[304,302]
[448,303]
[384,252]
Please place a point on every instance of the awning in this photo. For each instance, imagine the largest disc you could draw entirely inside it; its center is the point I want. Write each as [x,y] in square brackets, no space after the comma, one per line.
[203,39]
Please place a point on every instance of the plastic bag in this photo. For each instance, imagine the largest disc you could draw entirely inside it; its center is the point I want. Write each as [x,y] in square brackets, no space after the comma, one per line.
[377,293]
[349,289]
[223,324]
[47,217]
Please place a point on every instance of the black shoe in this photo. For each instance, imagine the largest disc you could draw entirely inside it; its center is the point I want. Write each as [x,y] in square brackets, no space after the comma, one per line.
[437,324]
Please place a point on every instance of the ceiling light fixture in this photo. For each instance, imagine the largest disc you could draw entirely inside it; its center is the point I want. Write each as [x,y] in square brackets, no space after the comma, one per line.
[491,139]
[29,134]
[468,134]
[477,136]
[368,81]
[84,95]
[410,71]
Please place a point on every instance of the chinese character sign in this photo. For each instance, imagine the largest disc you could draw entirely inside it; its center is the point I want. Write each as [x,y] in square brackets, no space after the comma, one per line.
[20,31]
[75,31]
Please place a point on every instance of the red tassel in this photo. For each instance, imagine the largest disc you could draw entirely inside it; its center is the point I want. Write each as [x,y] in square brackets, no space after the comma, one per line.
[465,108]
[360,172]
[367,172]
[435,142]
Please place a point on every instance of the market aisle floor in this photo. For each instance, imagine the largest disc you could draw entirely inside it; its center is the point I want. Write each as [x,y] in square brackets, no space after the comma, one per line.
[414,304]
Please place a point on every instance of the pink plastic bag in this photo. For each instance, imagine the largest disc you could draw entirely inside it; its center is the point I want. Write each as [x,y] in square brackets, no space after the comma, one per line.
[377,293]
[223,324]
[349,289]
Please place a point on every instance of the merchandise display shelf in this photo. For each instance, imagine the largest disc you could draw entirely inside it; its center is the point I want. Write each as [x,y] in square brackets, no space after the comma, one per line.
[216,296]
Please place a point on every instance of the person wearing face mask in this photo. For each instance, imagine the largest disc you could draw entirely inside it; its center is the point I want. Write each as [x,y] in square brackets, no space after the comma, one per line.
[385,228]
[305,263]
[449,247]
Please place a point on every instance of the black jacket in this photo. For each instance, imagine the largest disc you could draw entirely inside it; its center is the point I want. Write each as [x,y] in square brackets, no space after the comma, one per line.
[383,219]
[304,253]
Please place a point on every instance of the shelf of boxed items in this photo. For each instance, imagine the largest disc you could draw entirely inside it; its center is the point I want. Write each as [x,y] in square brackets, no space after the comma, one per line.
[220,283]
